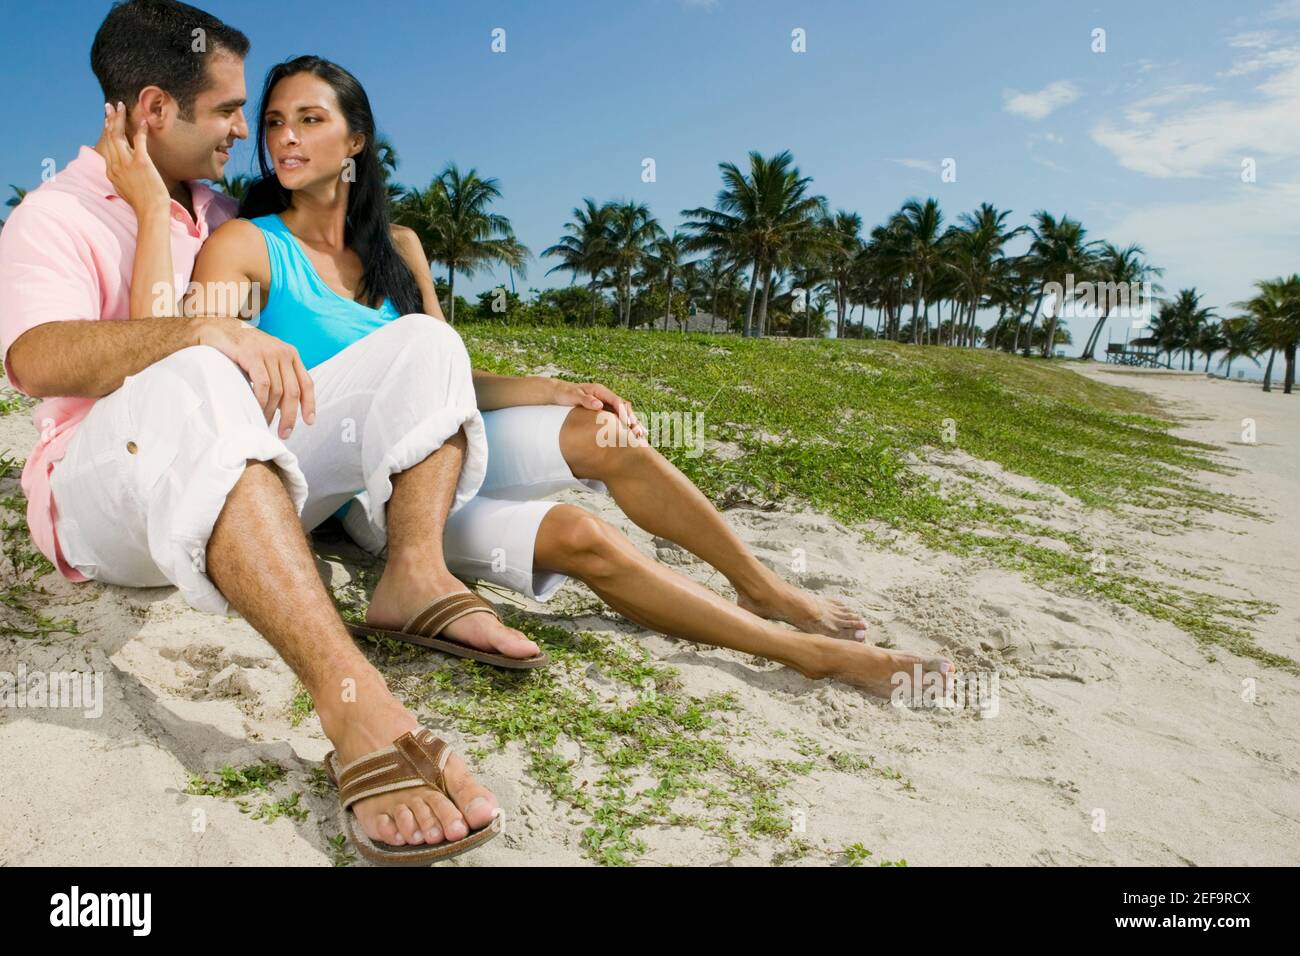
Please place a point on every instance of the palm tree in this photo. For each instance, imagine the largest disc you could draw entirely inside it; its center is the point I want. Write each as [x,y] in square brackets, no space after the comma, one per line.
[761,217]
[13,201]
[665,259]
[388,161]
[1116,267]
[692,284]
[586,249]
[236,187]
[842,243]
[1210,339]
[975,257]
[1163,333]
[1275,309]
[715,274]
[1189,324]
[632,231]
[1240,340]
[456,229]
[916,228]
[1057,252]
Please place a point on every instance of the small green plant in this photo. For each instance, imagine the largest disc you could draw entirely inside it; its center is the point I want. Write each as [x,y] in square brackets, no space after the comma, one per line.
[236,781]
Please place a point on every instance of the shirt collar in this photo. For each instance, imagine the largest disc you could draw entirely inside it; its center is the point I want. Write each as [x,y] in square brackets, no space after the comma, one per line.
[90,167]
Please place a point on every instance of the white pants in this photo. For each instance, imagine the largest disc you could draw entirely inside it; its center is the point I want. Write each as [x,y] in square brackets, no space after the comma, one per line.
[494,536]
[148,471]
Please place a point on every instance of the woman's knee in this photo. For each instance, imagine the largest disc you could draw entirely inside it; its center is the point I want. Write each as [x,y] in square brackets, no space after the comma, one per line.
[587,545]
[416,337]
[203,378]
[597,445]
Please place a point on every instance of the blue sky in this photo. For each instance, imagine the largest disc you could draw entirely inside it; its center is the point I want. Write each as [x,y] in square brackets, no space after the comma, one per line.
[1144,141]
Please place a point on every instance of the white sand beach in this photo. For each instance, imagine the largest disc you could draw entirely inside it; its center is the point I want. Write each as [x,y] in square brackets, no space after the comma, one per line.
[1116,740]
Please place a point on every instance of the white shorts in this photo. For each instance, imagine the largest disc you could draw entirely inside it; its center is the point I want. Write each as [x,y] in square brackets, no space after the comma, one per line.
[493,537]
[148,471]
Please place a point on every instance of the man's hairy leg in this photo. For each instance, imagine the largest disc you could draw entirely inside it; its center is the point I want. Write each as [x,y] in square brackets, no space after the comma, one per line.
[259,559]
[416,571]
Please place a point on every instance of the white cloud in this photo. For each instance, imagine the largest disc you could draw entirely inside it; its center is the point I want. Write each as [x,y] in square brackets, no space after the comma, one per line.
[1270,60]
[1252,40]
[1221,246]
[1141,111]
[1210,138]
[1286,10]
[1042,104]
[928,165]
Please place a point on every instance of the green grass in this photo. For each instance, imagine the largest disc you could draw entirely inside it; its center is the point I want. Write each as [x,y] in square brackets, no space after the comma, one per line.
[647,753]
[837,426]
[22,597]
[236,781]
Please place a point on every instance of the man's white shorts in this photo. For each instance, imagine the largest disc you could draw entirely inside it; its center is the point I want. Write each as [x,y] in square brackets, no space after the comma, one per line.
[148,471]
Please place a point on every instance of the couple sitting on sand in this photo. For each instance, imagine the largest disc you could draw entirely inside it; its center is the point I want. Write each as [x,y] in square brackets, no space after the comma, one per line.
[181,444]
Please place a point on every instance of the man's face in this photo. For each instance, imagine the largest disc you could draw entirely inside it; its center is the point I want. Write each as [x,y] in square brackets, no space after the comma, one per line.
[199,148]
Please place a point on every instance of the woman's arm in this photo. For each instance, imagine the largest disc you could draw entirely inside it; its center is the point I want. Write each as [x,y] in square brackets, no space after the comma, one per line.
[232,275]
[133,174]
[494,391]
[408,246]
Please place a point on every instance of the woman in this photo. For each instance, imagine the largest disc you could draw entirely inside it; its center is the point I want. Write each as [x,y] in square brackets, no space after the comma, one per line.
[328,269]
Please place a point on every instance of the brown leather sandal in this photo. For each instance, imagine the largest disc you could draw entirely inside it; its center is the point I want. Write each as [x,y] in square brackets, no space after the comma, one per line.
[425,625]
[416,759]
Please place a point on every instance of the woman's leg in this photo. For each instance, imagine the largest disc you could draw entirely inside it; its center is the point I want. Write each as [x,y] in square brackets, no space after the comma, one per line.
[663,501]
[643,590]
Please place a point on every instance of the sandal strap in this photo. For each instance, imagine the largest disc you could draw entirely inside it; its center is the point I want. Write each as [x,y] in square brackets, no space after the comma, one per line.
[414,760]
[438,613]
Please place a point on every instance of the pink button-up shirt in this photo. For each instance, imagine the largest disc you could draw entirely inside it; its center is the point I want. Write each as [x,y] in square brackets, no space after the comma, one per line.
[66,252]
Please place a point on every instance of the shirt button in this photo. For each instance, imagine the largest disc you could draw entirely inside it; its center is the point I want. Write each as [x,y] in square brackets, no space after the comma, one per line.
[131,447]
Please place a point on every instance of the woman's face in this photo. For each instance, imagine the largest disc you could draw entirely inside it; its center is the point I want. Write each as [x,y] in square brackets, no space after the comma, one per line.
[307,135]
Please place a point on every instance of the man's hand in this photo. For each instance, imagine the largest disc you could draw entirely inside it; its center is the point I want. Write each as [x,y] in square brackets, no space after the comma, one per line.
[277,375]
[597,397]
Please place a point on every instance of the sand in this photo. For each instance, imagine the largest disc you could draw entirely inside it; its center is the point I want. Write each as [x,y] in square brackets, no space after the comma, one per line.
[1116,740]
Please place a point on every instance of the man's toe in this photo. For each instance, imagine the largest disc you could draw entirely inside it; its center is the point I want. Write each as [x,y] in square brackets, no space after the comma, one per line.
[453,824]
[428,823]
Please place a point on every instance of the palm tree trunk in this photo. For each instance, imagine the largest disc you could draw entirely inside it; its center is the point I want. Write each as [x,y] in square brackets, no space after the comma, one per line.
[749,308]
[762,311]
[1289,379]
[669,310]
[451,294]
[1033,319]
[1268,371]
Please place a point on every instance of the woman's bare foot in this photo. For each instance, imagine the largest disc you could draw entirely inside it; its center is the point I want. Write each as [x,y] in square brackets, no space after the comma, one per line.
[416,815]
[782,601]
[882,672]
[402,592]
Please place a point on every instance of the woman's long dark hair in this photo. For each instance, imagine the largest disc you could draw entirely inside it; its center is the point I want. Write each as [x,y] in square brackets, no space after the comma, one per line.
[384,272]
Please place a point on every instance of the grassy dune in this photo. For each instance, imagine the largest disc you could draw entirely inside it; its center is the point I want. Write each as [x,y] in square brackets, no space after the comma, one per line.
[839,425]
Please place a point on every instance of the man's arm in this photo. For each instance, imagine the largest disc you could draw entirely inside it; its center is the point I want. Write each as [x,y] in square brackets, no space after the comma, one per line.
[88,358]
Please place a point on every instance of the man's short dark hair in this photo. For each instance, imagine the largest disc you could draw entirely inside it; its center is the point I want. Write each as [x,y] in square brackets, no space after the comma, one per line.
[155,43]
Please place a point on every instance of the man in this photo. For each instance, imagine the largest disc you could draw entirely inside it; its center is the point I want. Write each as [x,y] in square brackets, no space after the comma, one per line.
[155,462]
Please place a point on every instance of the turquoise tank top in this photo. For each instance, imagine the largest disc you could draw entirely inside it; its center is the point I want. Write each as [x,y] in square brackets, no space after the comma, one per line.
[301,309]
